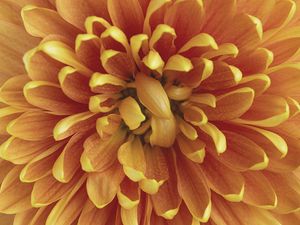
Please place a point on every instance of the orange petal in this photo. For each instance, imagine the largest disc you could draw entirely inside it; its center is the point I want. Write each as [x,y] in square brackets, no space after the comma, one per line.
[11,92]
[183,217]
[243,153]
[131,156]
[28,123]
[64,54]
[106,83]
[258,82]
[155,14]
[48,190]
[41,165]
[194,115]
[117,63]
[286,187]
[139,47]
[152,95]
[186,18]
[87,47]
[162,40]
[166,128]
[156,170]
[49,96]
[130,19]
[69,208]
[20,151]
[192,149]
[266,111]
[129,194]
[74,85]
[96,25]
[107,125]
[40,66]
[231,189]
[100,154]
[68,161]
[34,19]
[243,23]
[93,216]
[14,195]
[166,201]
[187,129]
[231,105]
[258,191]
[69,10]
[7,114]
[103,186]
[223,76]
[193,189]
[70,125]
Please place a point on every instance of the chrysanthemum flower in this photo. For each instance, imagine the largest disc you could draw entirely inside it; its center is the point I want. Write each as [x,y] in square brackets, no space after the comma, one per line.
[150,112]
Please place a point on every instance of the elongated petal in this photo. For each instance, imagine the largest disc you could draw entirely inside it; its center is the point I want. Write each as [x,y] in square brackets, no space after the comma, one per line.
[28,123]
[99,155]
[129,194]
[14,195]
[102,187]
[153,96]
[231,190]
[131,113]
[193,189]
[127,15]
[231,105]
[34,19]
[156,170]
[259,191]
[165,127]
[131,156]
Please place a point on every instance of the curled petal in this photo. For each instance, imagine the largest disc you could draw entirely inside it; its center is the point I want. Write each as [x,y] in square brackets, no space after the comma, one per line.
[163,131]
[131,113]
[131,156]
[152,95]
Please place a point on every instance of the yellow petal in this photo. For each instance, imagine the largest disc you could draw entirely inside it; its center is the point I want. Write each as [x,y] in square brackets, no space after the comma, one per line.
[163,131]
[131,156]
[152,95]
[216,135]
[131,113]
[65,54]
[106,83]
[96,25]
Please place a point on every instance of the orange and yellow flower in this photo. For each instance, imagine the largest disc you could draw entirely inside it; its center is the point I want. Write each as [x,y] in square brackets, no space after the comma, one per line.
[150,112]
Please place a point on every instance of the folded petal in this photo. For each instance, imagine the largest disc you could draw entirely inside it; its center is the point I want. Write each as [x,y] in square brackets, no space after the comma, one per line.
[129,194]
[131,156]
[152,95]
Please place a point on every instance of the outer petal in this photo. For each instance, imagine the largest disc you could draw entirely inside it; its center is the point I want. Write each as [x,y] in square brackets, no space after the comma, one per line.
[102,187]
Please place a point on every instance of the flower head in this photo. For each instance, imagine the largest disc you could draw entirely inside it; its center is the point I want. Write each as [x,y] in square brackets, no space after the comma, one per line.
[150,112]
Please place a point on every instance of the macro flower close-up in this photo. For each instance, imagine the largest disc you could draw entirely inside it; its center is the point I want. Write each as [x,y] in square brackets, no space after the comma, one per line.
[149,112]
